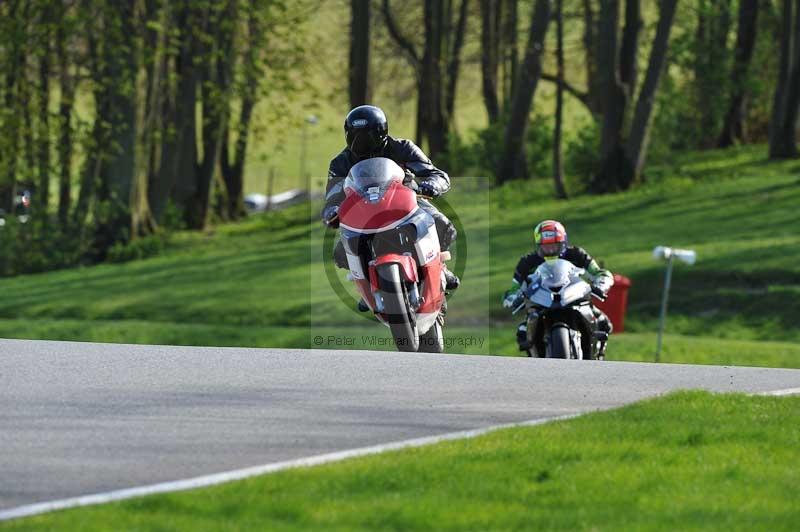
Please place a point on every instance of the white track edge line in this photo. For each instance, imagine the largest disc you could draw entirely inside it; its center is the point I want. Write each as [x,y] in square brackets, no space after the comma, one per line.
[239,474]
[778,393]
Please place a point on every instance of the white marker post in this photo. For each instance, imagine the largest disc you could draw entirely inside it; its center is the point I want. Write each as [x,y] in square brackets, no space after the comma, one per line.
[669,254]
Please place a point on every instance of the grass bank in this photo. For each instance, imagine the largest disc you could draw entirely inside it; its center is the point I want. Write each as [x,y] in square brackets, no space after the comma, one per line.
[263,282]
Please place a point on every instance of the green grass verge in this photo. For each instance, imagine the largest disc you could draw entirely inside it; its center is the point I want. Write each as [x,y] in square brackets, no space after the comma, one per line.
[687,461]
[263,282]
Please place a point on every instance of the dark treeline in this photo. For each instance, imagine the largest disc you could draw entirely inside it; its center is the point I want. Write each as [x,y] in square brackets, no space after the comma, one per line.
[154,106]
[126,117]
[700,80]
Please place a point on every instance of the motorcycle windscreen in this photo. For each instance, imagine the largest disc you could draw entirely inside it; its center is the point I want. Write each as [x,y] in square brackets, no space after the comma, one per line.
[371,178]
[558,274]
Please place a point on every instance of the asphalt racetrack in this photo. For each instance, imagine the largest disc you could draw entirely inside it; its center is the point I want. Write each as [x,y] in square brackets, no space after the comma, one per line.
[81,418]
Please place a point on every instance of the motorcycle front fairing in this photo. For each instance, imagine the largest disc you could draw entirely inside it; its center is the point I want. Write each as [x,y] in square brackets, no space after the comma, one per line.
[557,293]
[380,220]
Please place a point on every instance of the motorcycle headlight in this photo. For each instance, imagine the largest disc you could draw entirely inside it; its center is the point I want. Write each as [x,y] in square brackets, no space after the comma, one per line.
[408,233]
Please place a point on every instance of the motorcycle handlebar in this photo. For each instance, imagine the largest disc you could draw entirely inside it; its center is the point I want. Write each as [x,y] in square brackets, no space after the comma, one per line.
[599,294]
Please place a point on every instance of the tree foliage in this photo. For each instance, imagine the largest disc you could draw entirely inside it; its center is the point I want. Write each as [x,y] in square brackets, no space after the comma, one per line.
[129,116]
[162,81]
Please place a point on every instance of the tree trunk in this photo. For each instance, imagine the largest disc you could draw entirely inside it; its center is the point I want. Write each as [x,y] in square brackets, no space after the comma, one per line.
[639,136]
[417,64]
[26,95]
[184,185]
[166,167]
[65,140]
[121,57]
[733,129]
[359,52]
[621,163]
[784,66]
[512,163]
[233,174]
[148,114]
[43,134]
[93,166]
[783,143]
[711,56]
[618,82]
[454,66]
[489,58]
[509,45]
[215,90]
[614,101]
[435,123]
[629,51]
[558,173]
[9,144]
[593,81]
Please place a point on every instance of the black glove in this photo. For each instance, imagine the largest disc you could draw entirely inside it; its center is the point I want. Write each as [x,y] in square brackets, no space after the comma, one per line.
[330,216]
[512,299]
[429,189]
[600,292]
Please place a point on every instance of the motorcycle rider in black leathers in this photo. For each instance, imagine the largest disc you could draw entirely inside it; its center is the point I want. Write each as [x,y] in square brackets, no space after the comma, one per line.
[551,242]
[367,135]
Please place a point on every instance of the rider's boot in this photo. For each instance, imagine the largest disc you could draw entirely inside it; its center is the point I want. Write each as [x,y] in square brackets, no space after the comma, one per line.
[602,341]
[522,337]
[451,280]
[362,305]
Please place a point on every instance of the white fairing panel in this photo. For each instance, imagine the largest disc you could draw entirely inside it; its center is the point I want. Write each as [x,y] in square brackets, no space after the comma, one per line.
[355,266]
[427,247]
[574,292]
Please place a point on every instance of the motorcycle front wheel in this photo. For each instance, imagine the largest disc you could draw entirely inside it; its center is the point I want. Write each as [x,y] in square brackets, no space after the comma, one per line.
[559,345]
[433,340]
[397,309]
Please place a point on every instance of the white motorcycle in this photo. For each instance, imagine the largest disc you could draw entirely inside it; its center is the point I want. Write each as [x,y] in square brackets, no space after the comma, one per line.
[561,322]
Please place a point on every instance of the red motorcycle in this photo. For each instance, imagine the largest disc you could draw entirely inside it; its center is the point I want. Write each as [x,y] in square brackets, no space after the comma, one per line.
[394,255]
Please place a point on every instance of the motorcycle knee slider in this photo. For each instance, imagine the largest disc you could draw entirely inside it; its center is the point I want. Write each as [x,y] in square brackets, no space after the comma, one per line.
[448,236]
[340,257]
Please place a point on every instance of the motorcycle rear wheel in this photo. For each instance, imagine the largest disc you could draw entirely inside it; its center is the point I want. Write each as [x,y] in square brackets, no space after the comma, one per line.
[397,308]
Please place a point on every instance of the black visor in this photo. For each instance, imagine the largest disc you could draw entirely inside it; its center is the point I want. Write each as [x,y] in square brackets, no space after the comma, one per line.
[365,142]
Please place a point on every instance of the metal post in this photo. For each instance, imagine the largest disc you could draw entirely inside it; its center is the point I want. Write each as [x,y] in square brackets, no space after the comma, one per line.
[303,153]
[664,299]
[305,177]
[270,187]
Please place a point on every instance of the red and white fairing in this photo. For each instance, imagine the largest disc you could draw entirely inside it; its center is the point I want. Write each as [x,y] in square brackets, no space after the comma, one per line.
[376,201]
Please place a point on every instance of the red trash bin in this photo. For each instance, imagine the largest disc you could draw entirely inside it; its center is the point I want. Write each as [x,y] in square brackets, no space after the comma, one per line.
[616,303]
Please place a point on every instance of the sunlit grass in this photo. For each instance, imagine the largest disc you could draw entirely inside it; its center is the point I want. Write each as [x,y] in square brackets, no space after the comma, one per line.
[687,461]
[262,282]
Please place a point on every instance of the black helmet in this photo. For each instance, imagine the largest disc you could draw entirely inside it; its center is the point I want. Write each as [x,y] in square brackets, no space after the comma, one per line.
[365,130]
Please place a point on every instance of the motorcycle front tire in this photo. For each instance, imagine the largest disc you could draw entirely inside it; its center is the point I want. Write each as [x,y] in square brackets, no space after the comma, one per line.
[559,346]
[397,309]
[433,340]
